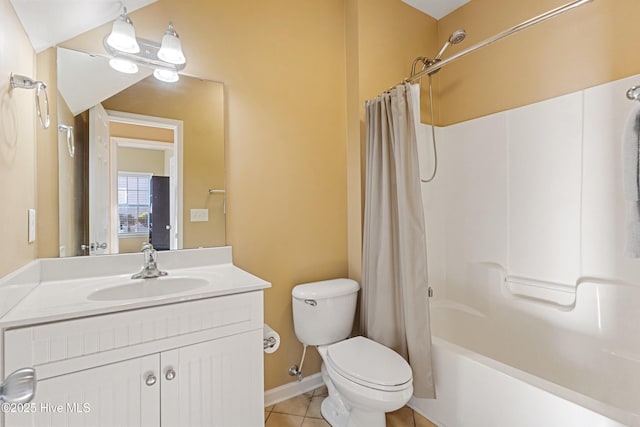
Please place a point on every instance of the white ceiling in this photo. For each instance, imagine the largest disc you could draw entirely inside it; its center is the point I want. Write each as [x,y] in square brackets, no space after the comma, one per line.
[436,8]
[49,22]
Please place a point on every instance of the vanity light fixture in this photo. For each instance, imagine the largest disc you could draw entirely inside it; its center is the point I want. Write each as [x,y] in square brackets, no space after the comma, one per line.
[167,76]
[123,65]
[171,48]
[167,59]
[123,35]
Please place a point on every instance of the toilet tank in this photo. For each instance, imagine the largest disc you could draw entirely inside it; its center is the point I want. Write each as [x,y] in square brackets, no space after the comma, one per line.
[323,311]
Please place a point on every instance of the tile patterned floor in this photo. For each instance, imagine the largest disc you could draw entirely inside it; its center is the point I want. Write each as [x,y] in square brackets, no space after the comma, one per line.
[304,411]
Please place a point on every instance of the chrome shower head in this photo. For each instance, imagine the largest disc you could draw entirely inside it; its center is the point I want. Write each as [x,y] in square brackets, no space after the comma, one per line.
[456,37]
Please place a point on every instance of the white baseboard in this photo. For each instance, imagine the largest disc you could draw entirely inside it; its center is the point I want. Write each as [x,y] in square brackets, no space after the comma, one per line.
[287,391]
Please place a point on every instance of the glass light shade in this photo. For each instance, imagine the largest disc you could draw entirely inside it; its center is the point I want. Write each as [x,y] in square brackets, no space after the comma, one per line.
[123,65]
[123,36]
[171,48]
[166,75]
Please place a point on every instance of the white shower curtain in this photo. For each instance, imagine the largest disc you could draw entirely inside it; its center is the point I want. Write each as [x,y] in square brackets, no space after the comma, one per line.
[395,306]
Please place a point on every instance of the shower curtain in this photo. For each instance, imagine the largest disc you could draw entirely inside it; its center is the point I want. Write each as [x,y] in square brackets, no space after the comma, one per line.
[395,306]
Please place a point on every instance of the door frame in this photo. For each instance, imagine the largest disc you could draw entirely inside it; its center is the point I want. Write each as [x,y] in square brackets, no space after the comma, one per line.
[98,176]
[159,122]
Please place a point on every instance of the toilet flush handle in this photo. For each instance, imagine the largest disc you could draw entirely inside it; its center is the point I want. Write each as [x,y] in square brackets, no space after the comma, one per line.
[311,302]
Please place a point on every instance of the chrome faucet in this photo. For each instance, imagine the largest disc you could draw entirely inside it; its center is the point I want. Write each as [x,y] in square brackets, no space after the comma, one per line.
[150,267]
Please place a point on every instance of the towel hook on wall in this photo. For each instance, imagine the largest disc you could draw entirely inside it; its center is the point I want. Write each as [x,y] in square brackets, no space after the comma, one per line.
[68,130]
[634,93]
[224,202]
[24,82]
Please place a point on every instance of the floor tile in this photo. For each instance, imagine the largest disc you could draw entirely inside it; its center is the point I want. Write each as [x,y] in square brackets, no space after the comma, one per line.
[304,411]
[403,417]
[314,407]
[315,422]
[295,406]
[422,421]
[283,420]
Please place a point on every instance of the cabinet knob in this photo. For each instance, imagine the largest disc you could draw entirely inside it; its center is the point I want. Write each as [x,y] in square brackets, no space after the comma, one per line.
[171,374]
[151,380]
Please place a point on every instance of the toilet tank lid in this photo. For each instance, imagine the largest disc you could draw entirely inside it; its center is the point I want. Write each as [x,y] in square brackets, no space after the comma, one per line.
[325,289]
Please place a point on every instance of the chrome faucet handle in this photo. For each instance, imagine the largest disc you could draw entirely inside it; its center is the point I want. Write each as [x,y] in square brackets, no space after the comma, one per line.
[149,254]
[150,267]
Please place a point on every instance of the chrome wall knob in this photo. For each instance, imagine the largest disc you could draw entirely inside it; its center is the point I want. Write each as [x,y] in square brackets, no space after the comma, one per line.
[171,374]
[151,380]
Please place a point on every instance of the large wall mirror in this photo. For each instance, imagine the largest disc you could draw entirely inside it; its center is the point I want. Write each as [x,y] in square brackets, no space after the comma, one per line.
[140,160]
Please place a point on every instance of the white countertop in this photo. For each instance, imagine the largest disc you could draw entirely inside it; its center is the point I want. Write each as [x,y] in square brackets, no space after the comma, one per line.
[54,297]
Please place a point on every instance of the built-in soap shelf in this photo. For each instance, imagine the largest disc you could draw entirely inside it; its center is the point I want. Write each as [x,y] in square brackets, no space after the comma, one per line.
[560,295]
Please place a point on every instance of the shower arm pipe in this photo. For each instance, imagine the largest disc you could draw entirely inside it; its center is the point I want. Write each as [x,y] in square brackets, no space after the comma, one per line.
[517,28]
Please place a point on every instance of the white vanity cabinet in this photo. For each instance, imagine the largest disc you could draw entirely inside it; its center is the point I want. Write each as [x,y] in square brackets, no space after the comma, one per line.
[115,394]
[197,363]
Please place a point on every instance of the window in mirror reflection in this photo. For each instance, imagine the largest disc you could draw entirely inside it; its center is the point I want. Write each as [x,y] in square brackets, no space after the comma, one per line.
[134,205]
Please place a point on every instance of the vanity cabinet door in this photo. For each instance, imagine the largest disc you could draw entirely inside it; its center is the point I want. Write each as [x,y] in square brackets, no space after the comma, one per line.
[215,383]
[120,394]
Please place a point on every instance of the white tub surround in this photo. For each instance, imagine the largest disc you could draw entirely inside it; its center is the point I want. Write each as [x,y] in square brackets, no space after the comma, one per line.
[526,238]
[186,350]
[509,351]
[537,190]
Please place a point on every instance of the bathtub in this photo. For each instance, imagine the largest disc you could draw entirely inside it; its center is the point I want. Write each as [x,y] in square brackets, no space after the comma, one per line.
[517,356]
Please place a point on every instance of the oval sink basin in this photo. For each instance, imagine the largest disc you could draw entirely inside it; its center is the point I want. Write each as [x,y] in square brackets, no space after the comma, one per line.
[146,288]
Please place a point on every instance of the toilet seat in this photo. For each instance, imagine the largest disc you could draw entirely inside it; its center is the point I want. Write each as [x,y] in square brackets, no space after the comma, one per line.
[369,364]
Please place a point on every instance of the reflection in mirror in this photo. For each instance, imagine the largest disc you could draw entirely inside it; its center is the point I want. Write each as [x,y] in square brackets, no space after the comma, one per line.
[141,159]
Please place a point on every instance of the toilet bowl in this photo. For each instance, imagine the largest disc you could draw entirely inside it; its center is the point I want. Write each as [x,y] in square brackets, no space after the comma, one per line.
[368,379]
[364,378]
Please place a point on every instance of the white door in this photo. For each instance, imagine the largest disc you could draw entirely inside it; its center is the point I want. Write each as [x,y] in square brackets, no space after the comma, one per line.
[215,384]
[99,189]
[107,396]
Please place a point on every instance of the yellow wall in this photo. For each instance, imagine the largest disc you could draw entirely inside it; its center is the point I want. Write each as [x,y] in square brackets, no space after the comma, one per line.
[17,143]
[591,45]
[391,34]
[47,177]
[283,64]
[141,160]
[129,245]
[147,133]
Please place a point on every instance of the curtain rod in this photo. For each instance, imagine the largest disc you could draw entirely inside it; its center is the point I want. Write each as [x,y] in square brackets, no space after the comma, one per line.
[526,24]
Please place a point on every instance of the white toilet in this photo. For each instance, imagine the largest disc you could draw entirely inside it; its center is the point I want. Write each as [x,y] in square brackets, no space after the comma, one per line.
[365,379]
